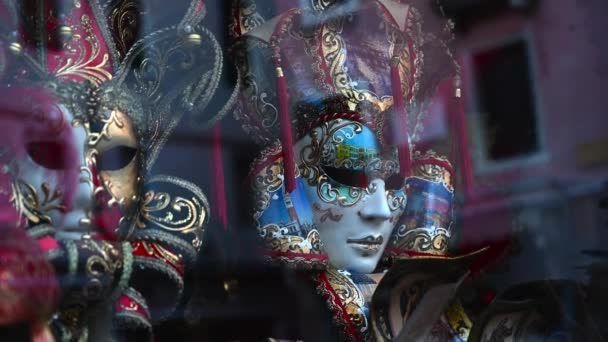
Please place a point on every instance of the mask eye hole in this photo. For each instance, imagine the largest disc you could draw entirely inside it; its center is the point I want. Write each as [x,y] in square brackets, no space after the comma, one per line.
[115,158]
[354,178]
[394,182]
[48,154]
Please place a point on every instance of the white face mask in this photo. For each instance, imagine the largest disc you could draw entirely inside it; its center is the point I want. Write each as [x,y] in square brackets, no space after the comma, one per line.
[41,175]
[355,192]
[95,162]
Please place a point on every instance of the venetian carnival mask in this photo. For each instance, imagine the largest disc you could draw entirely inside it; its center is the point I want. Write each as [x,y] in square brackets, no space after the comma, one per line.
[348,84]
[355,190]
[101,149]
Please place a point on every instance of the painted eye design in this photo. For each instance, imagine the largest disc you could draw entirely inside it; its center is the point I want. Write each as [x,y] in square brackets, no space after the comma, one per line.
[115,158]
[354,178]
[48,154]
[394,182]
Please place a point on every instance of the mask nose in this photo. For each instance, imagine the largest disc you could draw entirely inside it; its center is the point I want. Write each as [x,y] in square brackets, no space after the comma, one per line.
[375,209]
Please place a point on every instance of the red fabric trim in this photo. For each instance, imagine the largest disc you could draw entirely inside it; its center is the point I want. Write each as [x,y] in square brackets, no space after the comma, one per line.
[154,253]
[434,161]
[126,303]
[275,39]
[335,300]
[258,167]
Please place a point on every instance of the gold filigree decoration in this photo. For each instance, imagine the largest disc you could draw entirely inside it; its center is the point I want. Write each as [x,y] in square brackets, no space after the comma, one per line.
[337,130]
[173,213]
[26,200]
[276,239]
[352,299]
[173,205]
[335,55]
[93,138]
[84,56]
[422,240]
[267,181]
[459,320]
[249,18]
[434,168]
[125,21]
[155,249]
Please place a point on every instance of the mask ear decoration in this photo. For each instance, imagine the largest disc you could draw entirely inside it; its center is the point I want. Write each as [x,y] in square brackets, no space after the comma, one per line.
[405,158]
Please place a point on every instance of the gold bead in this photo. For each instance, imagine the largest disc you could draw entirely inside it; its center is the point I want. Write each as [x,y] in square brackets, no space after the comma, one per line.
[230,285]
[458,93]
[194,39]
[279,71]
[15,48]
[84,222]
[64,33]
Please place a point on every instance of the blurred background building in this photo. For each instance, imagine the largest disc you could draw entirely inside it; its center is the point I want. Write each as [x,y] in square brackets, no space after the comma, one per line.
[535,75]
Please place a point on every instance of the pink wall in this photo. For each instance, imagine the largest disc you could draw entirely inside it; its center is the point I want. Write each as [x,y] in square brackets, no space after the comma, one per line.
[569,69]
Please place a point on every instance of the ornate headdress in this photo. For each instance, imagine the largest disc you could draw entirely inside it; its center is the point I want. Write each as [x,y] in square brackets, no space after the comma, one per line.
[377,63]
[106,78]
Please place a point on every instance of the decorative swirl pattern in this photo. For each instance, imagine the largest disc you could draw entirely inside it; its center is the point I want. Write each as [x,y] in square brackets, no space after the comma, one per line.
[422,240]
[267,181]
[182,209]
[277,240]
[321,151]
[434,168]
[26,199]
[174,75]
[321,5]
[352,300]
[396,200]
[125,25]
[248,17]
[84,57]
